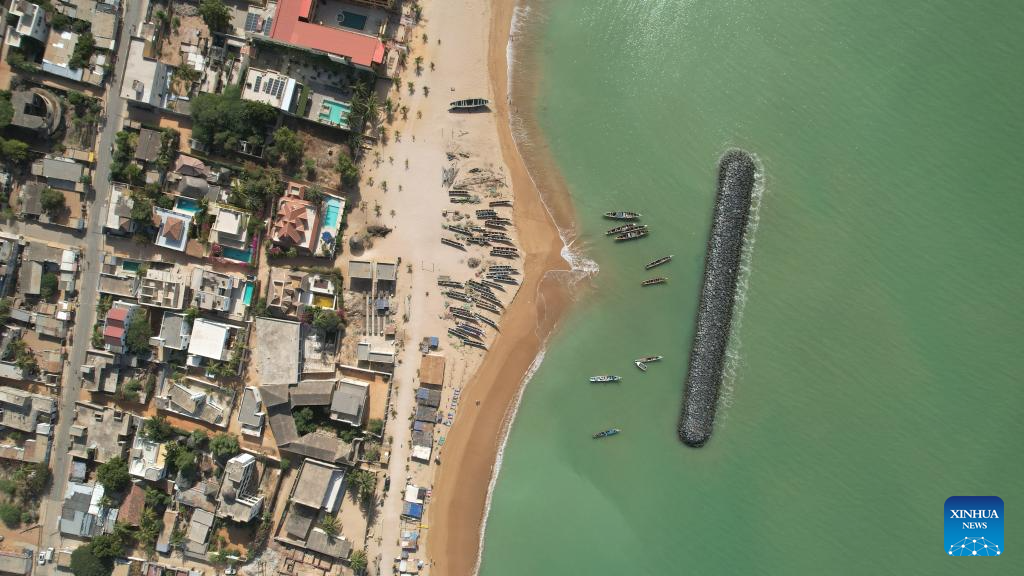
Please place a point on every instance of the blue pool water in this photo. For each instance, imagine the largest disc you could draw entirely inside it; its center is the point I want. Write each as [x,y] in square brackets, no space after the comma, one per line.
[186,205]
[247,294]
[236,254]
[331,215]
[335,113]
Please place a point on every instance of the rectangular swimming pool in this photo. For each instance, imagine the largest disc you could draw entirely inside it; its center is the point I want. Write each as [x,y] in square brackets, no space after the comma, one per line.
[331,213]
[351,20]
[236,254]
[247,294]
[186,205]
[335,113]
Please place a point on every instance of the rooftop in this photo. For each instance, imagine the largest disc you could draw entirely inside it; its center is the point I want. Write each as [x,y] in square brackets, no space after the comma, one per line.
[173,229]
[348,403]
[296,223]
[147,459]
[432,370]
[270,87]
[163,288]
[319,486]
[148,147]
[293,24]
[276,354]
[99,433]
[209,339]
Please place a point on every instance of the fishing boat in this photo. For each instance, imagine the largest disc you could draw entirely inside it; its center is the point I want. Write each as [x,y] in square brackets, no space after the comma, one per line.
[606,378]
[653,281]
[632,235]
[649,359]
[468,104]
[607,433]
[625,228]
[658,262]
[622,215]
[640,365]
[452,243]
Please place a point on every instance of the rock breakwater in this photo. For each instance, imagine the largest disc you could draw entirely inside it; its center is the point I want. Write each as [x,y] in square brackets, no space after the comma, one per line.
[736,176]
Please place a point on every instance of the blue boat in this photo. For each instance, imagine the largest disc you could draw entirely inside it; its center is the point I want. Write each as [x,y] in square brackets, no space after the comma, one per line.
[607,433]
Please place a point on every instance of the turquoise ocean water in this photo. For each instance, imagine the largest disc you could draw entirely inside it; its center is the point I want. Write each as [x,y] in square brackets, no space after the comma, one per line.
[877,362]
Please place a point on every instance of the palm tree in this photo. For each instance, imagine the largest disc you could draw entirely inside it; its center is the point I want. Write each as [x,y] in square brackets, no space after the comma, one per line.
[358,561]
[419,64]
[330,524]
[364,481]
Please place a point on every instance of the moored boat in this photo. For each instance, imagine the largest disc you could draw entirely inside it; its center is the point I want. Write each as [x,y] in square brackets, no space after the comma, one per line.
[654,281]
[658,262]
[632,235]
[607,433]
[622,215]
[469,104]
[640,365]
[625,228]
[649,359]
[605,378]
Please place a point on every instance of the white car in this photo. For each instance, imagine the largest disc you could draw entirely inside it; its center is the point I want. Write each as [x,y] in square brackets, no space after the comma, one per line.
[42,557]
[49,554]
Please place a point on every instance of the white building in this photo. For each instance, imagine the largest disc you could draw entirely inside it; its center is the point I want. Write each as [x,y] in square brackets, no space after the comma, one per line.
[148,459]
[31,23]
[209,340]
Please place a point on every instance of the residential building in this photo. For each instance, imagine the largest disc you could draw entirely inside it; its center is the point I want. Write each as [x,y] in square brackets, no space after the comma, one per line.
[100,372]
[297,222]
[348,402]
[296,24]
[163,288]
[147,149]
[220,293]
[146,80]
[432,370]
[239,498]
[10,255]
[191,166]
[209,341]
[38,110]
[61,173]
[175,331]
[83,514]
[147,459]
[115,326]
[119,212]
[31,23]
[163,542]
[197,537]
[197,400]
[251,415]
[277,351]
[318,491]
[172,229]
[281,399]
[130,511]
[24,411]
[230,228]
[58,56]
[16,563]
[270,87]
[99,433]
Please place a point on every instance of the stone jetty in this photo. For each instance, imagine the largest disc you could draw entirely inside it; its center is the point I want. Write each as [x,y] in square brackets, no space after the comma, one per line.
[736,175]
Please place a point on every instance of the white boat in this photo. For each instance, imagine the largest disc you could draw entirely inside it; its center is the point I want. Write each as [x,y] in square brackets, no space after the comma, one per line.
[606,378]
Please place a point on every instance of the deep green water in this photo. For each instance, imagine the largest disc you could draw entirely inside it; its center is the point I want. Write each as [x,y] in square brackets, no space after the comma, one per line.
[879,352]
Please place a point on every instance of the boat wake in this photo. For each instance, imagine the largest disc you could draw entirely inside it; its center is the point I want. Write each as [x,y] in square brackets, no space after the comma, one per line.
[733,358]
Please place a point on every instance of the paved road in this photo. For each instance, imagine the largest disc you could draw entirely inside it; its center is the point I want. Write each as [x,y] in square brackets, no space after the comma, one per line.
[87,297]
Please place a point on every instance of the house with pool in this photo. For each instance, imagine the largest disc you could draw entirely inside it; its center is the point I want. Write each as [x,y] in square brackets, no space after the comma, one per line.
[229,234]
[308,226]
[303,97]
[228,295]
[172,228]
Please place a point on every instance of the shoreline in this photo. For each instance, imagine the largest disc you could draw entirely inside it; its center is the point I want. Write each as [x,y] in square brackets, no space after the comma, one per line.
[463,484]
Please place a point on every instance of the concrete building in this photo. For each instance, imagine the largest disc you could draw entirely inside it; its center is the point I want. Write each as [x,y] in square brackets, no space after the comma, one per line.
[163,288]
[24,411]
[297,24]
[60,173]
[175,331]
[348,402]
[119,212]
[318,491]
[59,54]
[239,497]
[277,352]
[209,341]
[172,229]
[270,87]
[146,82]
[31,23]
[38,110]
[115,326]
[197,537]
[251,415]
[147,459]
[83,514]
[16,563]
[230,227]
[99,433]
[225,294]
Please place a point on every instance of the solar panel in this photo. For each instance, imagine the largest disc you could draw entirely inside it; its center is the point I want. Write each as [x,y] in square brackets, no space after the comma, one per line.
[252,22]
[268,86]
[266,25]
[256,86]
[278,88]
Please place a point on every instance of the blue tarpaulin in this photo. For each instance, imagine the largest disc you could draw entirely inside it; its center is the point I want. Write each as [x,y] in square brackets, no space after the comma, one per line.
[412,510]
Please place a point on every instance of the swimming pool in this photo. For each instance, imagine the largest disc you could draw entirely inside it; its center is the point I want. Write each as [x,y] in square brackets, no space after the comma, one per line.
[332,212]
[335,113]
[247,294]
[187,205]
[351,20]
[236,254]
[130,265]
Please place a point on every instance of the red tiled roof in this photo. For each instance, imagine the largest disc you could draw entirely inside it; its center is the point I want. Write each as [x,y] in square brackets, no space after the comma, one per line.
[114,332]
[117,314]
[131,507]
[292,224]
[362,49]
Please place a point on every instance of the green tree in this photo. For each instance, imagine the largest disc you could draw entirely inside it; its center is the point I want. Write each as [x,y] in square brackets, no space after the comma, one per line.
[348,170]
[365,483]
[33,480]
[10,514]
[222,121]
[286,148]
[52,201]
[197,439]
[304,420]
[358,561]
[113,475]
[48,285]
[216,15]
[327,320]
[84,49]
[6,109]
[330,524]
[224,445]
[13,150]
[149,528]
[5,309]
[185,462]
[375,426]
[157,499]
[314,194]
[157,429]
[108,546]
[142,210]
[84,562]
[138,333]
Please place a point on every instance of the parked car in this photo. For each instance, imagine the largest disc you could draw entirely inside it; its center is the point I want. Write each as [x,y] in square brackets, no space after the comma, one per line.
[49,554]
[42,557]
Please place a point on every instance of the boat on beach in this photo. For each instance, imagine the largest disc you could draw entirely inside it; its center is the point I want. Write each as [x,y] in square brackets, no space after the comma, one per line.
[622,215]
[469,104]
[625,228]
[632,235]
[606,433]
[653,281]
[605,378]
[658,262]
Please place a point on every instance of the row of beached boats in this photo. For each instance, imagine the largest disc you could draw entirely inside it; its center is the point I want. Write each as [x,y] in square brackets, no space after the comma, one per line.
[631,231]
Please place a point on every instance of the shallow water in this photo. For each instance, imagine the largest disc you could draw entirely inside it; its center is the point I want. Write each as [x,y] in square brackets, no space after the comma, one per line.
[876,359]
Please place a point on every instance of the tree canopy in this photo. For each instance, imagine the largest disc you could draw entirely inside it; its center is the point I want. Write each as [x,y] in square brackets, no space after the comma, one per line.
[328,320]
[138,333]
[286,148]
[48,285]
[113,475]
[6,109]
[85,563]
[222,121]
[157,429]
[224,445]
[13,150]
[256,189]
[216,15]
[348,170]
[52,201]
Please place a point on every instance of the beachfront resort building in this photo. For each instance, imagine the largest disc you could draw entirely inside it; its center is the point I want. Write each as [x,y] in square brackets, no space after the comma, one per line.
[337,30]
[297,223]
